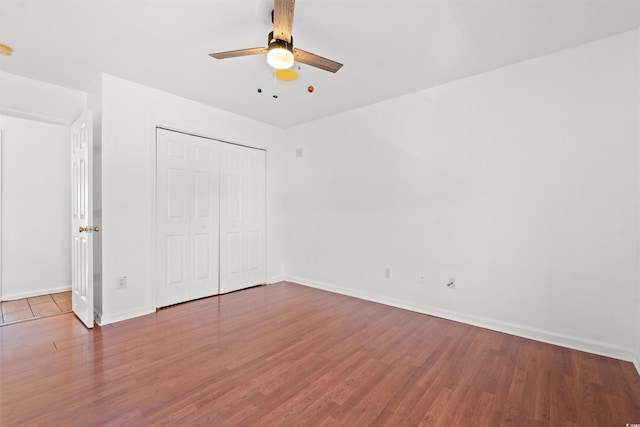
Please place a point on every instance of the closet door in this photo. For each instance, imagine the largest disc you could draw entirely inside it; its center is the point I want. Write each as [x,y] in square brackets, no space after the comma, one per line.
[187,217]
[242,217]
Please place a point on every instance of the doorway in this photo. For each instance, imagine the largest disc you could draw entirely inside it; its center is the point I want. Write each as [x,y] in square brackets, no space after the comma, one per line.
[35,207]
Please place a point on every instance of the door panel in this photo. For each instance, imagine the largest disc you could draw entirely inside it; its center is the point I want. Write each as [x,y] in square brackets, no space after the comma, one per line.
[187,217]
[203,193]
[253,251]
[202,256]
[175,261]
[232,197]
[203,154]
[233,254]
[253,196]
[81,219]
[176,193]
[242,220]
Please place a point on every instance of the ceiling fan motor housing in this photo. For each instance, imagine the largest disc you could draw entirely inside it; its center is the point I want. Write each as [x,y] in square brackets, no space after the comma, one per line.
[273,43]
[279,53]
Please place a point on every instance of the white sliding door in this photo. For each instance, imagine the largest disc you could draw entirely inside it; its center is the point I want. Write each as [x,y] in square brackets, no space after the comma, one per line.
[242,217]
[187,217]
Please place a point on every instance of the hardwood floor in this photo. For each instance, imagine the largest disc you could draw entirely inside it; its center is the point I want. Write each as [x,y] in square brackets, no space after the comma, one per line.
[289,355]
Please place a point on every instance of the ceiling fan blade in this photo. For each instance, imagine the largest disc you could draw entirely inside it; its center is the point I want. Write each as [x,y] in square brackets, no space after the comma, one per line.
[283,19]
[316,60]
[241,52]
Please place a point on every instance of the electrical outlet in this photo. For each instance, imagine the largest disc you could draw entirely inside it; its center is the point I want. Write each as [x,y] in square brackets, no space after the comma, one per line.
[122,283]
[387,273]
[451,284]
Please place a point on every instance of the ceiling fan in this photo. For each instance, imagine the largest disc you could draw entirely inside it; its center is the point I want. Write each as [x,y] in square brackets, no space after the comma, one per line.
[280,51]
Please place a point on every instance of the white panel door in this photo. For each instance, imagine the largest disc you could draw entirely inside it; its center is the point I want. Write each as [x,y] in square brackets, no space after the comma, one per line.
[242,217]
[82,227]
[187,217]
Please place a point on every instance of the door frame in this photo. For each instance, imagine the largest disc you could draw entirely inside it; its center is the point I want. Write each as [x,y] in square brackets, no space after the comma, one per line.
[155,122]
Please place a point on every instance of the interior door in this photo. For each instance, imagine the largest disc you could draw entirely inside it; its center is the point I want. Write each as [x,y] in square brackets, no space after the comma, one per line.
[82,228]
[187,217]
[242,217]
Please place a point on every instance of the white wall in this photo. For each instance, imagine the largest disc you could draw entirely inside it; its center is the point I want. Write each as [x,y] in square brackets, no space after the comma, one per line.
[35,208]
[522,183]
[129,114]
[36,100]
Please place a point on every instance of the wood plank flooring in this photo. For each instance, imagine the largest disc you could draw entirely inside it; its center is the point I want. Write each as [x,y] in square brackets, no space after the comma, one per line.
[34,307]
[285,355]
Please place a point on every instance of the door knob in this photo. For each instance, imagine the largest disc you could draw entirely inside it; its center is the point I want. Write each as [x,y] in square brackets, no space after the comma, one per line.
[83,229]
[96,229]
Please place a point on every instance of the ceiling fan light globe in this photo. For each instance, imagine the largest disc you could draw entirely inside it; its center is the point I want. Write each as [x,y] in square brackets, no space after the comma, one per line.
[280,58]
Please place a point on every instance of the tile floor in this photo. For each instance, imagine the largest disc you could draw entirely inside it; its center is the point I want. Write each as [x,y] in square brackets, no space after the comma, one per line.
[31,308]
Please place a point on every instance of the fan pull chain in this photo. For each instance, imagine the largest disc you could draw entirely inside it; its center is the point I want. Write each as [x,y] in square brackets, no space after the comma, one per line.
[275,85]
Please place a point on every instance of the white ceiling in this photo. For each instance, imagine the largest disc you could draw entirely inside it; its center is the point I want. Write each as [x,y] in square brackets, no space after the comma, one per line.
[389,48]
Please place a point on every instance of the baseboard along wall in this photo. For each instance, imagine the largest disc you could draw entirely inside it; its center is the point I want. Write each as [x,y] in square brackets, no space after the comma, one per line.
[575,343]
[29,294]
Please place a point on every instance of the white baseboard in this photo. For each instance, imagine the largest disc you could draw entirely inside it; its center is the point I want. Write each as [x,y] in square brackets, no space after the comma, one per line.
[636,361]
[275,279]
[103,320]
[576,343]
[35,293]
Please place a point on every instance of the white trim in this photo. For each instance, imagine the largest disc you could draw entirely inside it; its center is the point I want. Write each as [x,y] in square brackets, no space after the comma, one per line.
[636,361]
[97,316]
[37,293]
[576,343]
[275,279]
[199,135]
[35,116]
[1,192]
[125,315]
[152,125]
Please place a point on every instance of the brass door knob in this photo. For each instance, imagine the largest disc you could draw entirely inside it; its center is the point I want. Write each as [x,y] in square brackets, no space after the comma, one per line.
[96,229]
[83,229]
